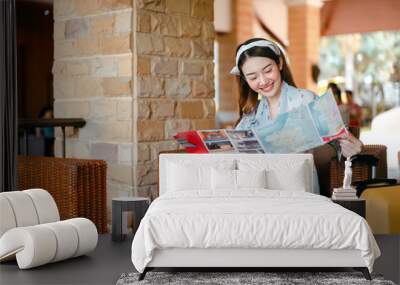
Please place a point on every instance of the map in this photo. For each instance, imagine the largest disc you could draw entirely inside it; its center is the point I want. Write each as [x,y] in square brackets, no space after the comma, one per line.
[302,128]
[327,118]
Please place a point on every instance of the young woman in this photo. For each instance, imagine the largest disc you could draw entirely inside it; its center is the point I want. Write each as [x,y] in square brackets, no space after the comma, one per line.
[267,89]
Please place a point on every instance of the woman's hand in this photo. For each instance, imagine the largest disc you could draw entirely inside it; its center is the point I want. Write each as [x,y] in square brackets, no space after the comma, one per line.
[350,145]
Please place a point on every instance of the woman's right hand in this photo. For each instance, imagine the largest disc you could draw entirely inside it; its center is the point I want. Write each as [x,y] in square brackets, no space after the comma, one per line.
[350,145]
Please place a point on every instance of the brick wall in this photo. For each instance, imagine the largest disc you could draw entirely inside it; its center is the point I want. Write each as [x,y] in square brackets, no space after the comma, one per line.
[137,71]
[243,24]
[175,78]
[245,20]
[228,88]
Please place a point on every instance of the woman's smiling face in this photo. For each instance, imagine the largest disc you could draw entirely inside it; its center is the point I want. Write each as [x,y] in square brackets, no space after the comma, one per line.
[263,75]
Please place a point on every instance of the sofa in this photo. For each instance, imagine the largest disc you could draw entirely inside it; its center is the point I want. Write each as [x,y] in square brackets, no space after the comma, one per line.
[31,231]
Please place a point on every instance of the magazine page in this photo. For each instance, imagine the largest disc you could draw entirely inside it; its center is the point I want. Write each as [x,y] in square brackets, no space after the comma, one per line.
[327,117]
[219,140]
[216,141]
[302,128]
[191,141]
[245,141]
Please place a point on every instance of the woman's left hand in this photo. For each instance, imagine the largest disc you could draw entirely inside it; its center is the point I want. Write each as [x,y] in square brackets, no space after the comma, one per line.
[350,145]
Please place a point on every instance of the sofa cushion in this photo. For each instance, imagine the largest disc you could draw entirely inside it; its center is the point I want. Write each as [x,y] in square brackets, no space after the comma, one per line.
[6,216]
[45,205]
[23,208]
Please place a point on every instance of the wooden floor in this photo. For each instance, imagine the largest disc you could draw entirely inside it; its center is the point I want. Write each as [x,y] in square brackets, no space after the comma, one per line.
[111,259]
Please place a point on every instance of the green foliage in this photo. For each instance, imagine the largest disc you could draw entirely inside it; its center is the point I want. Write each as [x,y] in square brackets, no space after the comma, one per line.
[376,55]
[379,51]
[376,63]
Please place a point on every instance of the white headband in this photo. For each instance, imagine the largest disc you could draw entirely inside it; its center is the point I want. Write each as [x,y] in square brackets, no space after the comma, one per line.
[243,48]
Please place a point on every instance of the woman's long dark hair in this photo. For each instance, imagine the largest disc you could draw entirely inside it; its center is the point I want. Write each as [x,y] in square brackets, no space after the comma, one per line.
[247,97]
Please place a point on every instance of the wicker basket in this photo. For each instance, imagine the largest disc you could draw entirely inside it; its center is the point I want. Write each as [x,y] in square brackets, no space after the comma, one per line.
[77,185]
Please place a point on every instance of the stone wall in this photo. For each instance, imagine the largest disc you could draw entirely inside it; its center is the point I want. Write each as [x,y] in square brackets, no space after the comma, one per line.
[175,78]
[93,80]
[137,71]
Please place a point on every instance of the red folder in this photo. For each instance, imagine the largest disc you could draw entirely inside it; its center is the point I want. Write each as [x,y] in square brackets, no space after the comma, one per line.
[191,141]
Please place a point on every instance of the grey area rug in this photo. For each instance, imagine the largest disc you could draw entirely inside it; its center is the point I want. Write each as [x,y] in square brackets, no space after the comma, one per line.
[229,278]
